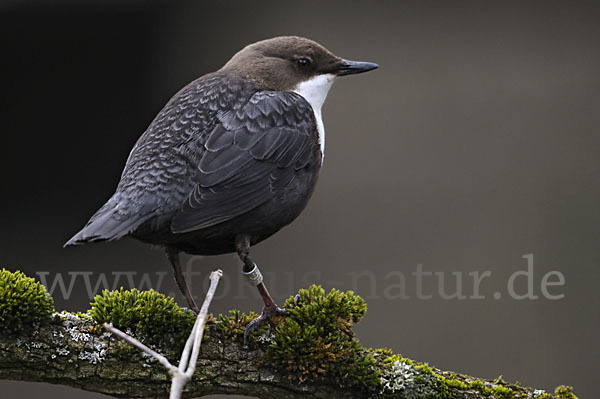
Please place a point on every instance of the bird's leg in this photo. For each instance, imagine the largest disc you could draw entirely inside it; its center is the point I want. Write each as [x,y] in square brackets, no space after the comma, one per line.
[173,257]
[251,271]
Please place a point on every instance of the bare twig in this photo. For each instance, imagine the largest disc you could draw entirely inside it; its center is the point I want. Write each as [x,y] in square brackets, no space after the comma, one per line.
[198,330]
[134,342]
[181,375]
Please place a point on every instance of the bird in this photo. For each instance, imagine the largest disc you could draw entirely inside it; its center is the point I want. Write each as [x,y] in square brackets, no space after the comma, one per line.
[231,159]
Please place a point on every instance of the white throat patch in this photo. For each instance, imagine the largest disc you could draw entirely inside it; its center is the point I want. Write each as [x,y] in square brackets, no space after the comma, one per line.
[315,91]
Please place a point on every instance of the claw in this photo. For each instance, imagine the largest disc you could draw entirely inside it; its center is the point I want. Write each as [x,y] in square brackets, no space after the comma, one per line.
[194,312]
[265,316]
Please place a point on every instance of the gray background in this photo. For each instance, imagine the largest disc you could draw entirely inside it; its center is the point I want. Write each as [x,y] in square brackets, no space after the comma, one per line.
[475,143]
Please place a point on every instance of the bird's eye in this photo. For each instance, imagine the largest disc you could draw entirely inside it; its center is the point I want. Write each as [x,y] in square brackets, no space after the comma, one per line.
[303,62]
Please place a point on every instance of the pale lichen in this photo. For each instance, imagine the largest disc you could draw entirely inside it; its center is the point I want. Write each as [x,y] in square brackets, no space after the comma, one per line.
[402,377]
[81,329]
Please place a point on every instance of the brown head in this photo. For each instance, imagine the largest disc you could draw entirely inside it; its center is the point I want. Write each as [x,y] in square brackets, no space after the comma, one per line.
[283,63]
[292,63]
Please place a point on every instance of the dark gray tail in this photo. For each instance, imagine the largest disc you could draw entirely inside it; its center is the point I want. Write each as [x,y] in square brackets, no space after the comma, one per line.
[107,224]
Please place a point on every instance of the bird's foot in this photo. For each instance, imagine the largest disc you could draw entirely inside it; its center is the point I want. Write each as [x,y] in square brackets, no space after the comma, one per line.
[194,312]
[267,314]
[192,307]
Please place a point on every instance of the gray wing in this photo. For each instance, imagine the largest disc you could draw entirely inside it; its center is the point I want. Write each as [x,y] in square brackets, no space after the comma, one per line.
[249,158]
[157,176]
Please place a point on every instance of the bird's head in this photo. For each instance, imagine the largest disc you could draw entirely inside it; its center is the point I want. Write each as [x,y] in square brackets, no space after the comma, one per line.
[291,63]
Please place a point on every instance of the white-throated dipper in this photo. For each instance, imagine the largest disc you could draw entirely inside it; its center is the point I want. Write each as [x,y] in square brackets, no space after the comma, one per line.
[231,159]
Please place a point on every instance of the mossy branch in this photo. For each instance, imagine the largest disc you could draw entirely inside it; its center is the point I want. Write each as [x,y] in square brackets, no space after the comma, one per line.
[312,353]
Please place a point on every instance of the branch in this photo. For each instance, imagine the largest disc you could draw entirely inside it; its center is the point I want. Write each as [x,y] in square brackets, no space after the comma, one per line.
[312,352]
[71,353]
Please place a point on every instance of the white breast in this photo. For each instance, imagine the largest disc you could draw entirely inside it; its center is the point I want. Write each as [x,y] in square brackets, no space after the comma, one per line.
[315,91]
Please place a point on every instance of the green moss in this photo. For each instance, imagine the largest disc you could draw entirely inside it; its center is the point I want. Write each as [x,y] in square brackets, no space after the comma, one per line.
[499,380]
[433,384]
[315,341]
[477,384]
[24,303]
[447,388]
[424,368]
[565,392]
[384,352]
[456,383]
[502,392]
[441,389]
[234,324]
[398,358]
[151,316]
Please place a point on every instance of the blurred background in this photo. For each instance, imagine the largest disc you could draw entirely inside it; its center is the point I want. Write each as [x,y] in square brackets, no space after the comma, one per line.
[474,144]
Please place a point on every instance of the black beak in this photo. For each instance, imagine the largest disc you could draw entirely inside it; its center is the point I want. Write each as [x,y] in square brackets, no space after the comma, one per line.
[352,67]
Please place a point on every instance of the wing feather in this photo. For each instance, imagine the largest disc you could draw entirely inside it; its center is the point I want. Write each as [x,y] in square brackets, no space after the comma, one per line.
[251,156]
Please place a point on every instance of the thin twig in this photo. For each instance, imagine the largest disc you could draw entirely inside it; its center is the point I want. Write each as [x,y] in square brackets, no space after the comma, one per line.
[162,360]
[185,355]
[180,376]
[201,321]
